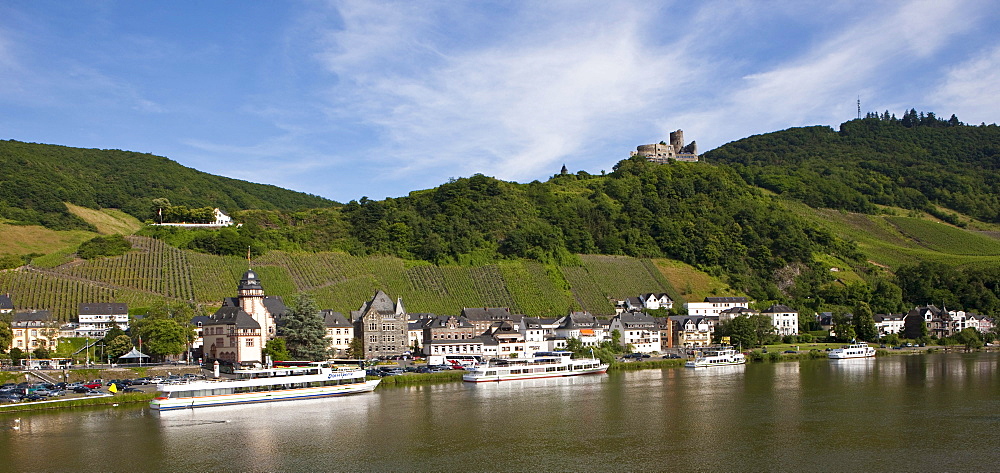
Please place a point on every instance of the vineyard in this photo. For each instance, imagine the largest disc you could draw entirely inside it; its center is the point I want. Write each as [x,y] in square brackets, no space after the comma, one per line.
[946,238]
[155,271]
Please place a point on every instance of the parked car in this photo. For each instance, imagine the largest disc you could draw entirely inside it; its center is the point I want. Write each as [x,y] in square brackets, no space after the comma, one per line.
[94,384]
[81,389]
[790,351]
[10,397]
[672,356]
[94,392]
[130,389]
[35,397]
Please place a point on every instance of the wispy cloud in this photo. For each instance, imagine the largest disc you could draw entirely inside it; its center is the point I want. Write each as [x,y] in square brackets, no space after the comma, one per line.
[819,87]
[972,89]
[523,101]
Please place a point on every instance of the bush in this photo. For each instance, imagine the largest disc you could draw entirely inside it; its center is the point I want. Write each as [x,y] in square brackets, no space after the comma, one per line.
[112,245]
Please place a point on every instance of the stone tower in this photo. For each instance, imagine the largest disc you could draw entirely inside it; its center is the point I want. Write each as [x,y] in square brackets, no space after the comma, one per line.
[677,140]
[251,296]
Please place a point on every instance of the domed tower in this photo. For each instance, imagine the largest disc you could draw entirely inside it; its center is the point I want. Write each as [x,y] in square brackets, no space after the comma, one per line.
[251,296]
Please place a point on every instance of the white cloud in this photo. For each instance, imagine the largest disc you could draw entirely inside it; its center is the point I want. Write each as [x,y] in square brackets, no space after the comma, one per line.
[821,86]
[972,90]
[513,105]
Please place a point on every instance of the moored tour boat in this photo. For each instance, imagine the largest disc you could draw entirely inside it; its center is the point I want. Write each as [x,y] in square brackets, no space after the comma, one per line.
[315,380]
[718,357]
[542,365]
[854,350]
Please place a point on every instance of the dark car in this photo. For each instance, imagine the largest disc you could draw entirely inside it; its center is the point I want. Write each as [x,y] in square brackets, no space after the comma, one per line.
[672,356]
[790,351]
[10,397]
[34,397]
[81,389]
[131,390]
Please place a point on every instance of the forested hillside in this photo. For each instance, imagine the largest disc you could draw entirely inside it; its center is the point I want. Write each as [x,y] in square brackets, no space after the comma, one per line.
[917,162]
[809,217]
[37,179]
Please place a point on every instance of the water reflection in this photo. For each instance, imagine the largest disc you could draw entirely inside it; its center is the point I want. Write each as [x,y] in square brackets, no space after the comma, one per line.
[813,415]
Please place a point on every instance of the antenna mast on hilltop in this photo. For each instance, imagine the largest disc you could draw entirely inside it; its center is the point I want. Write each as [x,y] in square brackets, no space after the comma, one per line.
[859,107]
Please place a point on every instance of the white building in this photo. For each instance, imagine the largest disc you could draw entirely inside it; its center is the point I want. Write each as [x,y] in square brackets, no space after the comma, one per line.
[713,306]
[97,318]
[639,330]
[886,324]
[784,319]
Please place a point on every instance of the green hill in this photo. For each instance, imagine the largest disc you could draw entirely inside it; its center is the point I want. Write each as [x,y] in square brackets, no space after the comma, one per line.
[811,217]
[38,180]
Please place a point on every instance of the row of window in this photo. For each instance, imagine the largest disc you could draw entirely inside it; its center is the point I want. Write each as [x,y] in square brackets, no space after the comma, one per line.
[257,389]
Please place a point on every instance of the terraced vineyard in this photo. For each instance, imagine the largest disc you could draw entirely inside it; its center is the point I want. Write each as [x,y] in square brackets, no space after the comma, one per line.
[154,271]
[946,238]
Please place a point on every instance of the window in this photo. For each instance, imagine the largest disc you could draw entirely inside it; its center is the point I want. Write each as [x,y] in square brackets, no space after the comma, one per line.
[373,327]
[372,338]
[249,342]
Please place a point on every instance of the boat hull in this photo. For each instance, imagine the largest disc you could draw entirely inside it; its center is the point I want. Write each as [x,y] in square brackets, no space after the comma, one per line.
[694,364]
[164,404]
[468,378]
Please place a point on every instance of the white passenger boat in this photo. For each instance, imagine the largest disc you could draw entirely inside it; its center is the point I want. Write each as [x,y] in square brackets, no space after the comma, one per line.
[854,350]
[717,357]
[543,365]
[264,385]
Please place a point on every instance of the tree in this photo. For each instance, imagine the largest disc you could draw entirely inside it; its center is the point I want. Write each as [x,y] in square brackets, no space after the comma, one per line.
[16,355]
[742,332]
[42,353]
[864,323]
[277,349]
[970,338]
[303,330]
[118,346]
[6,336]
[843,327]
[357,349]
[162,336]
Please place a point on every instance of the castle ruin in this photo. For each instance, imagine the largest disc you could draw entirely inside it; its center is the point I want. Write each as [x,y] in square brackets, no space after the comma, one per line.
[662,152]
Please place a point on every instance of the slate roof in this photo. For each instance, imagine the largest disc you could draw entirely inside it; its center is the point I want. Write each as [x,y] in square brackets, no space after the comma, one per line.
[578,320]
[778,309]
[726,299]
[250,281]
[5,302]
[380,302]
[636,319]
[32,316]
[276,306]
[231,316]
[737,311]
[333,319]
[103,308]
[488,313]
[441,321]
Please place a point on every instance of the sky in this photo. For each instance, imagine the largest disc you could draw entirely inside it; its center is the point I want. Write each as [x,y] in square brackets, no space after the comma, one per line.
[345,99]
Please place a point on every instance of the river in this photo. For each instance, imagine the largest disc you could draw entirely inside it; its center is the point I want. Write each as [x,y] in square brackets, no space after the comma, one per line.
[935,412]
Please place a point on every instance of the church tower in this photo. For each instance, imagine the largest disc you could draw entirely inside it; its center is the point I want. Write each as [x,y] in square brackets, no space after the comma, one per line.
[251,296]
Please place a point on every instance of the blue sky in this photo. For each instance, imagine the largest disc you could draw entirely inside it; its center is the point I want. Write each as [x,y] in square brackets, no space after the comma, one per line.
[347,99]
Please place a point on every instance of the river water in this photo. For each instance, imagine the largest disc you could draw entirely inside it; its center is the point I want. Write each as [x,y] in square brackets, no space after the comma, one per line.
[938,412]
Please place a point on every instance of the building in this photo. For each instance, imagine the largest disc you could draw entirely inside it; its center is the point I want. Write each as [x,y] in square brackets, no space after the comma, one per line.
[450,334]
[483,318]
[663,152]
[228,334]
[34,329]
[784,319]
[95,319]
[690,332]
[6,304]
[888,323]
[713,306]
[234,336]
[339,333]
[582,326]
[382,326]
[639,330]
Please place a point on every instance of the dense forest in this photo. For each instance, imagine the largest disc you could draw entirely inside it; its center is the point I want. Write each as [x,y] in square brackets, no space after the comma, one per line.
[918,162]
[38,178]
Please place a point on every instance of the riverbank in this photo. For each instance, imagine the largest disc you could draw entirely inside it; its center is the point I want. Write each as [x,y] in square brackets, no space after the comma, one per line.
[109,400]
